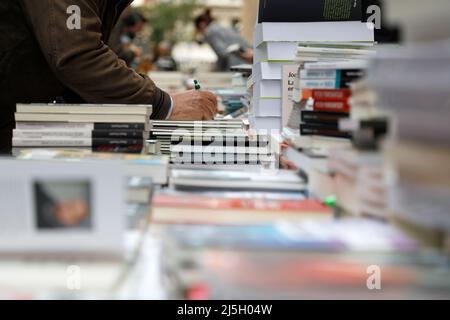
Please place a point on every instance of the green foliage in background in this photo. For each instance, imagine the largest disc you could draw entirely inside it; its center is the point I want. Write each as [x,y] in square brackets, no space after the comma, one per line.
[164,18]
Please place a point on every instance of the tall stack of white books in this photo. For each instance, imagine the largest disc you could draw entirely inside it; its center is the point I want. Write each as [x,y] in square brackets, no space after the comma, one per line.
[275,45]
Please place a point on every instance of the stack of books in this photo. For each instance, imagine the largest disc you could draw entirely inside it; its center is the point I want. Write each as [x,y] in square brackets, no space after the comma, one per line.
[211,142]
[325,87]
[412,83]
[276,39]
[103,128]
[368,124]
[234,261]
[361,186]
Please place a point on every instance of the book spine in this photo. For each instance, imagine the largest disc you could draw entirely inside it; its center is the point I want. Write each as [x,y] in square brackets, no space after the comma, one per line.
[321,130]
[24,142]
[51,134]
[350,74]
[120,126]
[331,106]
[86,142]
[130,149]
[309,11]
[116,142]
[62,126]
[336,83]
[122,134]
[54,126]
[54,134]
[333,95]
[323,117]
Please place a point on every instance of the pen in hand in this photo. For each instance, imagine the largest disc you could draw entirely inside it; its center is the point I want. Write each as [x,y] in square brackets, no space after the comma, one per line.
[197,85]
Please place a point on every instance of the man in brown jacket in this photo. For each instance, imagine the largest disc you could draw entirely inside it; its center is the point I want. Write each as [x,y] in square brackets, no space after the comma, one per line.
[44,56]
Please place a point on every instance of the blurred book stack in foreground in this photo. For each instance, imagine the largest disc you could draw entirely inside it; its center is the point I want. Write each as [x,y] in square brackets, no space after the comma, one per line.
[360,182]
[313,259]
[412,83]
[367,124]
[103,128]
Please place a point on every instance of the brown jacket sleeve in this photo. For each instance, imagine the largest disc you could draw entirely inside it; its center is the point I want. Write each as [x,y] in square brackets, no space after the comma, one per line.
[83,62]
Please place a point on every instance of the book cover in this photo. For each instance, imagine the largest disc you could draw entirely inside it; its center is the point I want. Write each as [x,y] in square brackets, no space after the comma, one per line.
[217,203]
[86,142]
[79,126]
[331,106]
[80,134]
[309,11]
[323,117]
[338,95]
[322,130]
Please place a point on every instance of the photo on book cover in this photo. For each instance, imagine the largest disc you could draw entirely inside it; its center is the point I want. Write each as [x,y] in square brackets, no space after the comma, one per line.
[62,205]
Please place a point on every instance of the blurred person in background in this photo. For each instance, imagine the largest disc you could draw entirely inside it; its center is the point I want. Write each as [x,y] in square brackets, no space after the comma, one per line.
[163,57]
[45,57]
[121,41]
[231,48]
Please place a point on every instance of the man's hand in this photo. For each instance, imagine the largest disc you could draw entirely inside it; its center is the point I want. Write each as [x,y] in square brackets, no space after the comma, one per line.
[194,105]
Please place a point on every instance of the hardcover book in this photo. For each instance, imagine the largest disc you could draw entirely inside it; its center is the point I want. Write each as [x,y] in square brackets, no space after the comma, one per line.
[309,11]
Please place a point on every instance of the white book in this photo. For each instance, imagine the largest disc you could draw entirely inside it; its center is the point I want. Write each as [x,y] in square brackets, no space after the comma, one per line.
[338,44]
[276,51]
[318,74]
[352,64]
[136,165]
[290,77]
[270,107]
[77,134]
[267,89]
[333,51]
[77,126]
[313,31]
[89,118]
[265,123]
[219,150]
[281,180]
[39,134]
[319,84]
[85,109]
[33,195]
[28,142]
[268,70]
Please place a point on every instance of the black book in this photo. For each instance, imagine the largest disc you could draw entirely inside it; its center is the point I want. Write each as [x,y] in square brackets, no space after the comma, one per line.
[130,149]
[380,126]
[116,142]
[322,130]
[323,117]
[121,134]
[309,10]
[121,126]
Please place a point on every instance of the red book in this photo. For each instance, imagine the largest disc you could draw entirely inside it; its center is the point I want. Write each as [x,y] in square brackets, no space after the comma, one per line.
[333,95]
[331,106]
[218,203]
[178,209]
